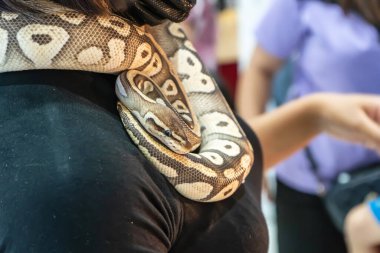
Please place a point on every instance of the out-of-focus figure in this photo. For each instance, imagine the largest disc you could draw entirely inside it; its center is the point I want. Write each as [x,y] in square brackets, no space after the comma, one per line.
[334,47]
[362,228]
[251,11]
[201,29]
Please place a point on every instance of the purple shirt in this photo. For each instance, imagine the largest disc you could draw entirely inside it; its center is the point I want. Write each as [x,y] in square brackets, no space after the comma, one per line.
[331,52]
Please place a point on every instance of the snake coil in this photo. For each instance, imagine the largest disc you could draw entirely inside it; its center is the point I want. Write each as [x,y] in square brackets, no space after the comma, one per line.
[169,104]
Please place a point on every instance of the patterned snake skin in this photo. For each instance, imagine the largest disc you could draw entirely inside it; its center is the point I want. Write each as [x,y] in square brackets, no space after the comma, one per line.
[168,103]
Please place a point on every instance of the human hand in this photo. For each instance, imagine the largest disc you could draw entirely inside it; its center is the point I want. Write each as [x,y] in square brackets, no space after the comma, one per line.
[154,12]
[355,118]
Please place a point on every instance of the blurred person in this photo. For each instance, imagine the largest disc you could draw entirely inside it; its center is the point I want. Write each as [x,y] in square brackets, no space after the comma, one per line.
[201,29]
[72,180]
[334,47]
[252,11]
[362,228]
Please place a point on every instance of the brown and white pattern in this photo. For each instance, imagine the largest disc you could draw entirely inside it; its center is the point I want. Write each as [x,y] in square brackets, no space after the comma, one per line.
[156,86]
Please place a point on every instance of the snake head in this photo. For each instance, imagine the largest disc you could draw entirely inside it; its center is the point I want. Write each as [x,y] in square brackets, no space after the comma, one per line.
[154,113]
[170,129]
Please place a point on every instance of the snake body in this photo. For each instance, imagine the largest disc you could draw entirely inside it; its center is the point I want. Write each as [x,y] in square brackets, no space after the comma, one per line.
[169,105]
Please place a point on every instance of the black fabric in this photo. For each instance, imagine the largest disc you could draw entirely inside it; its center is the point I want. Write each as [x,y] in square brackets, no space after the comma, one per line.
[341,197]
[98,88]
[304,225]
[153,12]
[71,180]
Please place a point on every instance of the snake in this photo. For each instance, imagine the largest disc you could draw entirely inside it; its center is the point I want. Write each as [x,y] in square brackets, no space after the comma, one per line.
[168,103]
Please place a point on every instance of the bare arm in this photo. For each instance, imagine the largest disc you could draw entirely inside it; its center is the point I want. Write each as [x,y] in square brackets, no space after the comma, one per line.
[291,127]
[254,87]
[355,118]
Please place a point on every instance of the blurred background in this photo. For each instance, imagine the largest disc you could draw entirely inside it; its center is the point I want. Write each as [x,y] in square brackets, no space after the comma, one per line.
[223,33]
[223,30]
[264,53]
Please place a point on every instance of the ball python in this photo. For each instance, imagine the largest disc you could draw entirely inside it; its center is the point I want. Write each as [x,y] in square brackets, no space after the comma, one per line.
[170,106]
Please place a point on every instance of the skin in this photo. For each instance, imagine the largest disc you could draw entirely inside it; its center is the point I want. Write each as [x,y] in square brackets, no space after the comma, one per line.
[354,118]
[362,231]
[255,84]
[350,117]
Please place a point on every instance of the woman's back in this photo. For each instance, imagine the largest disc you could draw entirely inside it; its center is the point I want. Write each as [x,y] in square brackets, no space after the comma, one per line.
[72,181]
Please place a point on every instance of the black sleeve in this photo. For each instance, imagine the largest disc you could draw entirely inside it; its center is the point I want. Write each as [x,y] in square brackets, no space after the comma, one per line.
[72,181]
[154,12]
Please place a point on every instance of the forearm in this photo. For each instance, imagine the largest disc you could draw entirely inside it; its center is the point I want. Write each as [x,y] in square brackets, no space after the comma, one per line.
[253,93]
[255,84]
[287,129]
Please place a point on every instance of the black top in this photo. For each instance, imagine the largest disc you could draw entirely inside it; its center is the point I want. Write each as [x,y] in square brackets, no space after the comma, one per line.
[71,180]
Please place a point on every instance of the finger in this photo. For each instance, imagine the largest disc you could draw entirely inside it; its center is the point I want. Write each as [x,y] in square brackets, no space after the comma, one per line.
[375,113]
[370,131]
[371,105]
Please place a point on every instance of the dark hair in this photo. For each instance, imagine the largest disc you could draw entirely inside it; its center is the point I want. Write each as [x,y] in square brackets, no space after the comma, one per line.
[369,9]
[35,6]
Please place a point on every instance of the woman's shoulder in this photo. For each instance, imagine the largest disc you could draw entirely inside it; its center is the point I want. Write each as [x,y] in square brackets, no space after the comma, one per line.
[83,146]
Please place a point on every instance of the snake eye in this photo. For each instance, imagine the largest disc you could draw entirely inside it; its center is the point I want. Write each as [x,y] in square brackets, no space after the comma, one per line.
[168,133]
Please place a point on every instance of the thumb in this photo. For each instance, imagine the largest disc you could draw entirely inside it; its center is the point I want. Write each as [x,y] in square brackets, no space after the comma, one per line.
[370,130]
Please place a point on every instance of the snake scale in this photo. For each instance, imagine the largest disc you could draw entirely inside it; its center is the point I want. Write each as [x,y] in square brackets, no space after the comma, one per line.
[168,103]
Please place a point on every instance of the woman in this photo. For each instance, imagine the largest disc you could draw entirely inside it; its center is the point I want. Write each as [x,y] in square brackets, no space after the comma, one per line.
[334,47]
[72,181]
